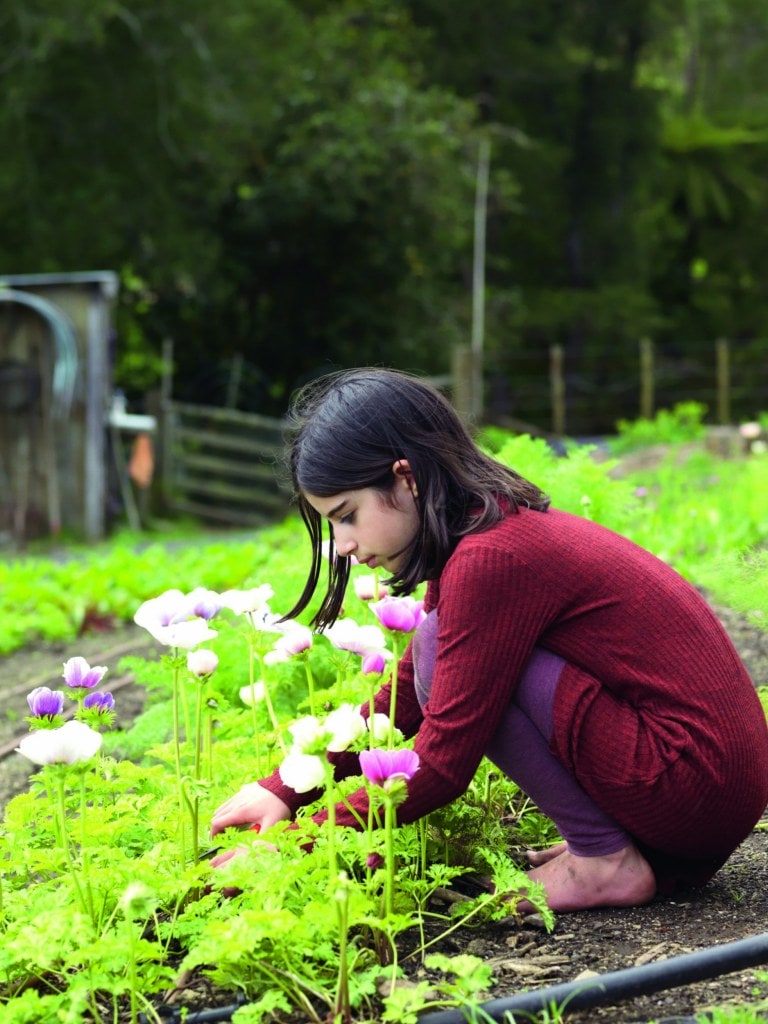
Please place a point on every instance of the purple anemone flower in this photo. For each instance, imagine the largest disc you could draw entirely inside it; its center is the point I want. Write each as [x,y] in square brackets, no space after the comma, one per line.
[382,767]
[45,703]
[103,703]
[78,674]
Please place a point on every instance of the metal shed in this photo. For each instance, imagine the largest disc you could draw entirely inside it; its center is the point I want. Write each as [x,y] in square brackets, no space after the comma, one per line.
[55,392]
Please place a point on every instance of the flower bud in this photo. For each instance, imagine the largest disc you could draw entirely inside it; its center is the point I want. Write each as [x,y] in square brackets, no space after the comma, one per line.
[202,663]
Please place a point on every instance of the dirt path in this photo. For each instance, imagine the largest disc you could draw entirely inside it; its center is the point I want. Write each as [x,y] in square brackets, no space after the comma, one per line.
[42,665]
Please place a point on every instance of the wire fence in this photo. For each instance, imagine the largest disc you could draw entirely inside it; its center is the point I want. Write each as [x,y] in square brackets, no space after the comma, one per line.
[556,392]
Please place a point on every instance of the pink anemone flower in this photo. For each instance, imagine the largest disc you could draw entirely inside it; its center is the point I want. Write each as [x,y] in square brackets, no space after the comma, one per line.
[383,767]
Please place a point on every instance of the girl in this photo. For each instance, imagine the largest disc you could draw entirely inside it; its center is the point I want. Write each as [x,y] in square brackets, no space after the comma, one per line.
[586,668]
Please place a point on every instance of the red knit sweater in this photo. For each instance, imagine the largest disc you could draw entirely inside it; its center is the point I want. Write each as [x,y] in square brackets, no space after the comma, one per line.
[655,714]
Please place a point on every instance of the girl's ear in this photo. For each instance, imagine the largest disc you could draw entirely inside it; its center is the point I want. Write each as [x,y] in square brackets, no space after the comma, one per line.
[402,472]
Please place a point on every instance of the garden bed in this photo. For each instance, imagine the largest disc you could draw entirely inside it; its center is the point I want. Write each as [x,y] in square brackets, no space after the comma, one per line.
[734,905]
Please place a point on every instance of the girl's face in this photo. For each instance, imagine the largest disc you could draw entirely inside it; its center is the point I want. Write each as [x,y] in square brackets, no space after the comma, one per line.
[378,529]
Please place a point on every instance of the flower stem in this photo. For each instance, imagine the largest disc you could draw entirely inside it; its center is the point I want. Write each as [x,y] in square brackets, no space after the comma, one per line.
[330,793]
[254,716]
[389,854]
[310,684]
[270,709]
[393,695]
[132,971]
[342,1007]
[84,856]
[177,757]
[61,814]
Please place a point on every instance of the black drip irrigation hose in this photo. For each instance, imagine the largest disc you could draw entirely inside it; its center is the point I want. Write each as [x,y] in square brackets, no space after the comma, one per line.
[176,1014]
[615,986]
[603,990]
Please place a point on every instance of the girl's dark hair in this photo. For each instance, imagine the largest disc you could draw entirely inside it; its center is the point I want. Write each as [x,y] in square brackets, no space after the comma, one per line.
[346,431]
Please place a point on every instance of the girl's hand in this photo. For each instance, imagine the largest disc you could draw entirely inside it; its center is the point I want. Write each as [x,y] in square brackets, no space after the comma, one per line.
[251,805]
[238,851]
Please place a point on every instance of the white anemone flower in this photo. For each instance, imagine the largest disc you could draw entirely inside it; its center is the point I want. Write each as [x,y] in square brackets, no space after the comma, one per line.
[369,587]
[347,635]
[202,663]
[253,693]
[380,728]
[73,742]
[307,732]
[186,635]
[253,601]
[302,772]
[292,642]
[169,619]
[169,607]
[345,724]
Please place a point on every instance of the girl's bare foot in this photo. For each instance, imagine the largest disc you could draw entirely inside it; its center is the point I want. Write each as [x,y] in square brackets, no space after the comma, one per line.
[621,879]
[536,857]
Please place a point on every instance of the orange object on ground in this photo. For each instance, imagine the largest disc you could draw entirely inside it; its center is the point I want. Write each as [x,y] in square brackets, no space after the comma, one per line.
[141,466]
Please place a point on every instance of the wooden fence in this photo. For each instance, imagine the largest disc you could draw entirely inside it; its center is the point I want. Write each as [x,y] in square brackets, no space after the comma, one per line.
[222,464]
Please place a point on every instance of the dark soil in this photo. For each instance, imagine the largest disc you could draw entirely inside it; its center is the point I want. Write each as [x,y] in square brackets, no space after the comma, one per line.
[733,906]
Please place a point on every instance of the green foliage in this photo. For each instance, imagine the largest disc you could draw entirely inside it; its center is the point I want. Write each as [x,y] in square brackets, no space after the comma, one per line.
[683,423]
[578,483]
[293,182]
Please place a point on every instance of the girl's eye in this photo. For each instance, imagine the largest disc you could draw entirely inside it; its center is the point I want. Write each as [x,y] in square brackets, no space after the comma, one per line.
[348,519]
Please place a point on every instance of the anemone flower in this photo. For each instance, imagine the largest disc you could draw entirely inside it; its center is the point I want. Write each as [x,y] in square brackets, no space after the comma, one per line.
[399,614]
[381,728]
[294,641]
[103,703]
[72,743]
[373,664]
[80,677]
[383,767]
[253,693]
[45,704]
[172,621]
[202,663]
[203,604]
[345,725]
[307,732]
[302,772]
[348,635]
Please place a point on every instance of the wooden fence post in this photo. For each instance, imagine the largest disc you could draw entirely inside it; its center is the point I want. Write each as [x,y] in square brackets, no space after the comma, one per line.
[464,381]
[647,393]
[557,389]
[166,423]
[723,362]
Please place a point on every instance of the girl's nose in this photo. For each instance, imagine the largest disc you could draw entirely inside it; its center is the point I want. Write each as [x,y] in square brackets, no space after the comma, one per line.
[345,545]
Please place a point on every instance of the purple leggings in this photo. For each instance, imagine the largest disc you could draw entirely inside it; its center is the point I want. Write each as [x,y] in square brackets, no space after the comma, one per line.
[520,748]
